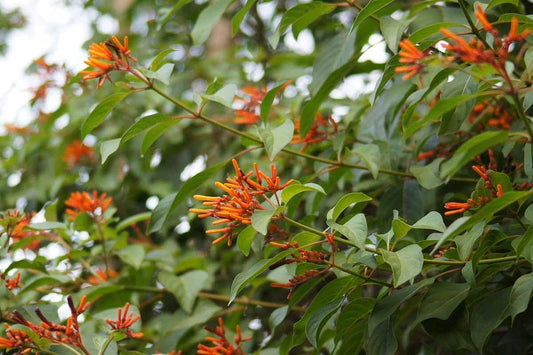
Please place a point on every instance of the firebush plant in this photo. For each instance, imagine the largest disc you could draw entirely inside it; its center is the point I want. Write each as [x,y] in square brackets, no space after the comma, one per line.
[207,187]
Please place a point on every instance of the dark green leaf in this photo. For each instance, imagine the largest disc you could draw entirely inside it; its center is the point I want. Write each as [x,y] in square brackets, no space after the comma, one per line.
[521,294]
[370,155]
[382,340]
[370,9]
[169,203]
[143,124]
[470,149]
[465,242]
[98,115]
[154,133]
[441,300]
[428,176]
[266,104]
[132,255]
[239,16]
[351,325]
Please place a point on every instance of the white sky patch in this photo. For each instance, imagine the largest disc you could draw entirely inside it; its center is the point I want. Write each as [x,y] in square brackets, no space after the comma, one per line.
[193,168]
[52,29]
[355,85]
[183,227]
[375,50]
[151,202]
[304,44]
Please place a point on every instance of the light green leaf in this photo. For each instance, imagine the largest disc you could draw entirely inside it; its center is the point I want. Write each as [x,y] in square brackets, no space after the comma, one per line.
[48,225]
[441,300]
[239,16]
[108,147]
[521,294]
[494,3]
[176,7]
[433,220]
[245,239]
[224,96]
[100,112]
[132,255]
[351,325]
[355,229]
[319,319]
[370,9]
[405,263]
[370,155]
[392,30]
[345,202]
[524,245]
[261,220]
[275,139]
[185,287]
[160,59]
[400,228]
[169,203]
[207,19]
[296,188]
[154,133]
[382,340]
[466,241]
[428,176]
[162,74]
[470,149]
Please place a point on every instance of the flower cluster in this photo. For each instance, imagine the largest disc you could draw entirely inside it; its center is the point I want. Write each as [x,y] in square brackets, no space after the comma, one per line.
[16,225]
[413,57]
[221,345]
[297,280]
[496,113]
[56,333]
[460,207]
[76,153]
[320,131]
[475,51]
[125,321]
[242,199]
[248,114]
[106,57]
[102,276]
[11,283]
[82,202]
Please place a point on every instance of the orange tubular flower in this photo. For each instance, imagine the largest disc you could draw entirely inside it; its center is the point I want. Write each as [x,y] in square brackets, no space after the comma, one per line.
[411,55]
[103,276]
[319,131]
[125,321]
[77,152]
[82,202]
[235,209]
[16,226]
[222,346]
[480,15]
[106,57]
[11,283]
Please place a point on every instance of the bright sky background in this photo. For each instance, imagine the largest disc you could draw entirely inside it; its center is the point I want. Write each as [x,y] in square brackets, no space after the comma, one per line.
[52,29]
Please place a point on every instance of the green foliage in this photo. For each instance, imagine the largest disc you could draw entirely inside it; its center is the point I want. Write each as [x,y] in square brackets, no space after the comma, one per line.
[363,213]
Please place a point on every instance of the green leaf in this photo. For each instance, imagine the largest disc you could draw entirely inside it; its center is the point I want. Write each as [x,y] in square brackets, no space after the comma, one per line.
[132,255]
[370,9]
[296,188]
[351,325]
[245,239]
[388,304]
[465,242]
[355,229]
[440,108]
[486,212]
[524,245]
[261,220]
[160,59]
[300,16]
[382,340]
[48,225]
[370,155]
[162,74]
[528,160]
[345,202]
[108,147]
[405,263]
[311,107]
[248,275]
[266,104]
[143,124]
[169,203]
[428,176]
[400,228]
[98,115]
[275,139]
[521,294]
[487,315]
[154,133]
[185,287]
[470,149]
[441,300]
[433,220]
[319,319]
[37,264]
[176,7]
[224,96]
[495,3]
[336,52]
[207,19]
[44,280]
[239,16]
[392,30]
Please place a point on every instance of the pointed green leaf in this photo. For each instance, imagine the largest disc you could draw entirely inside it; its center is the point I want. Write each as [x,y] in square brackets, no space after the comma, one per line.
[160,59]
[296,188]
[207,19]
[108,147]
[428,176]
[465,242]
[154,133]
[355,229]
[521,294]
[261,220]
[239,16]
[371,156]
[100,112]
[132,255]
[441,300]
[266,104]
[276,138]
[405,263]
[433,220]
[370,9]
[345,202]
[143,124]
[185,287]
[223,96]
[245,239]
